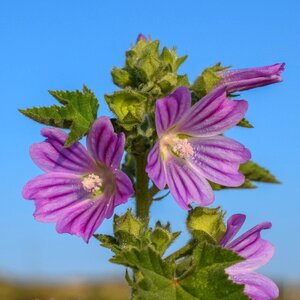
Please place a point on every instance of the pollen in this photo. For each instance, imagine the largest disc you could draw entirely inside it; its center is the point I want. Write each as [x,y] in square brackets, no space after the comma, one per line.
[183,148]
[92,183]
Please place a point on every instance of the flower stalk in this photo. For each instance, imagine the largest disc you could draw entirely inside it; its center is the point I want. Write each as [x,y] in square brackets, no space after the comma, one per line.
[143,196]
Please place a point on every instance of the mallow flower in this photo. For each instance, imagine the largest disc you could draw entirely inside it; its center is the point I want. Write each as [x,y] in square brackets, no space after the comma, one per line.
[80,187]
[249,78]
[190,149]
[256,252]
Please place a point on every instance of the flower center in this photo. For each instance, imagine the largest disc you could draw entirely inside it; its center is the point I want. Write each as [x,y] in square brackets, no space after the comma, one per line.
[183,148]
[92,183]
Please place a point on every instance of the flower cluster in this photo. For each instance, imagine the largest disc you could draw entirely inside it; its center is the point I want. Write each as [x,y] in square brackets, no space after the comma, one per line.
[188,153]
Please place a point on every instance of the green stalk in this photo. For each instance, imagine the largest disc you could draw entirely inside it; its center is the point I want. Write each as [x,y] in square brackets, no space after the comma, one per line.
[143,197]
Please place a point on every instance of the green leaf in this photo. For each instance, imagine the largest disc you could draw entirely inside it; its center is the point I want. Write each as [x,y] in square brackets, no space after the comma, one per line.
[204,279]
[53,115]
[78,113]
[203,222]
[245,123]
[129,106]
[255,172]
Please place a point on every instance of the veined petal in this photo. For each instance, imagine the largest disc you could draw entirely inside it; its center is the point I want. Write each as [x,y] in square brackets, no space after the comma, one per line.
[53,193]
[84,217]
[257,286]
[234,224]
[186,184]
[155,168]
[253,248]
[256,255]
[212,115]
[50,185]
[171,108]
[245,79]
[104,144]
[219,158]
[52,156]
[123,190]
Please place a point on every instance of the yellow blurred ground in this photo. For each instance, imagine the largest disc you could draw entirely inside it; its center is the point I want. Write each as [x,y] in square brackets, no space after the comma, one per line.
[101,291]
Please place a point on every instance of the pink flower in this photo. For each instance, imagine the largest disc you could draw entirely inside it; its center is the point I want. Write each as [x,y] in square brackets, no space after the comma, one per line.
[245,79]
[80,188]
[190,148]
[257,252]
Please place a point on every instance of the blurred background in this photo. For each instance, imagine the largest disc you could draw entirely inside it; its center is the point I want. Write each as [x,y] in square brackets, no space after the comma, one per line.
[61,45]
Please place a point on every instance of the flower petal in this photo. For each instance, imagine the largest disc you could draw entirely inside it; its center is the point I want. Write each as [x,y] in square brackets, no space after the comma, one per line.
[123,190]
[253,248]
[234,224]
[105,146]
[212,115]
[257,286]
[219,158]
[249,78]
[84,217]
[171,108]
[52,156]
[53,193]
[186,184]
[155,167]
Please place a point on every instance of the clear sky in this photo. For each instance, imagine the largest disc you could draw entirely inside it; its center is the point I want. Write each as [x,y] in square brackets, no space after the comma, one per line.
[65,44]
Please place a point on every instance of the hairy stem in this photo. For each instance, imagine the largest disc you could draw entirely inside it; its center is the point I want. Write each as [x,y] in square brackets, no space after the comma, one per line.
[186,249]
[143,197]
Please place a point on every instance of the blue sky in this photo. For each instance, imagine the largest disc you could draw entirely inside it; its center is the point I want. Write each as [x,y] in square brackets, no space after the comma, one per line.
[65,44]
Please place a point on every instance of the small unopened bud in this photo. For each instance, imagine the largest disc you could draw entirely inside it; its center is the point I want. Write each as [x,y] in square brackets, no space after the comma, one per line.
[141,37]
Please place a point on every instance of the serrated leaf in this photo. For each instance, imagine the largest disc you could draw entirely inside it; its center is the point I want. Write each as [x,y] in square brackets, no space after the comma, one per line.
[205,279]
[255,172]
[78,113]
[129,106]
[108,241]
[245,123]
[53,115]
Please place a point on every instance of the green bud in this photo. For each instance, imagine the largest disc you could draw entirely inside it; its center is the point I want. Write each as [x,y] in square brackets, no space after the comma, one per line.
[129,106]
[206,223]
[127,223]
[121,77]
[207,80]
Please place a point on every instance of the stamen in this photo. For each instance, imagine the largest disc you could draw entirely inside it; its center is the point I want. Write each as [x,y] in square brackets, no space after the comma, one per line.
[92,183]
[183,148]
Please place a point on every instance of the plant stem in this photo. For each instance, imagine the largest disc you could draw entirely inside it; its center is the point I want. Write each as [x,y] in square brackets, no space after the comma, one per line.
[143,197]
[182,251]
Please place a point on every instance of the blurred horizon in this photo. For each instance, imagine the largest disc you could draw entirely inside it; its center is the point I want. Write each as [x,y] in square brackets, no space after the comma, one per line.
[61,45]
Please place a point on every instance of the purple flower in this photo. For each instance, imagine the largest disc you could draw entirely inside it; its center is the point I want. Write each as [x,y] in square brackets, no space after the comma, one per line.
[141,37]
[257,252]
[190,149]
[80,188]
[245,79]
